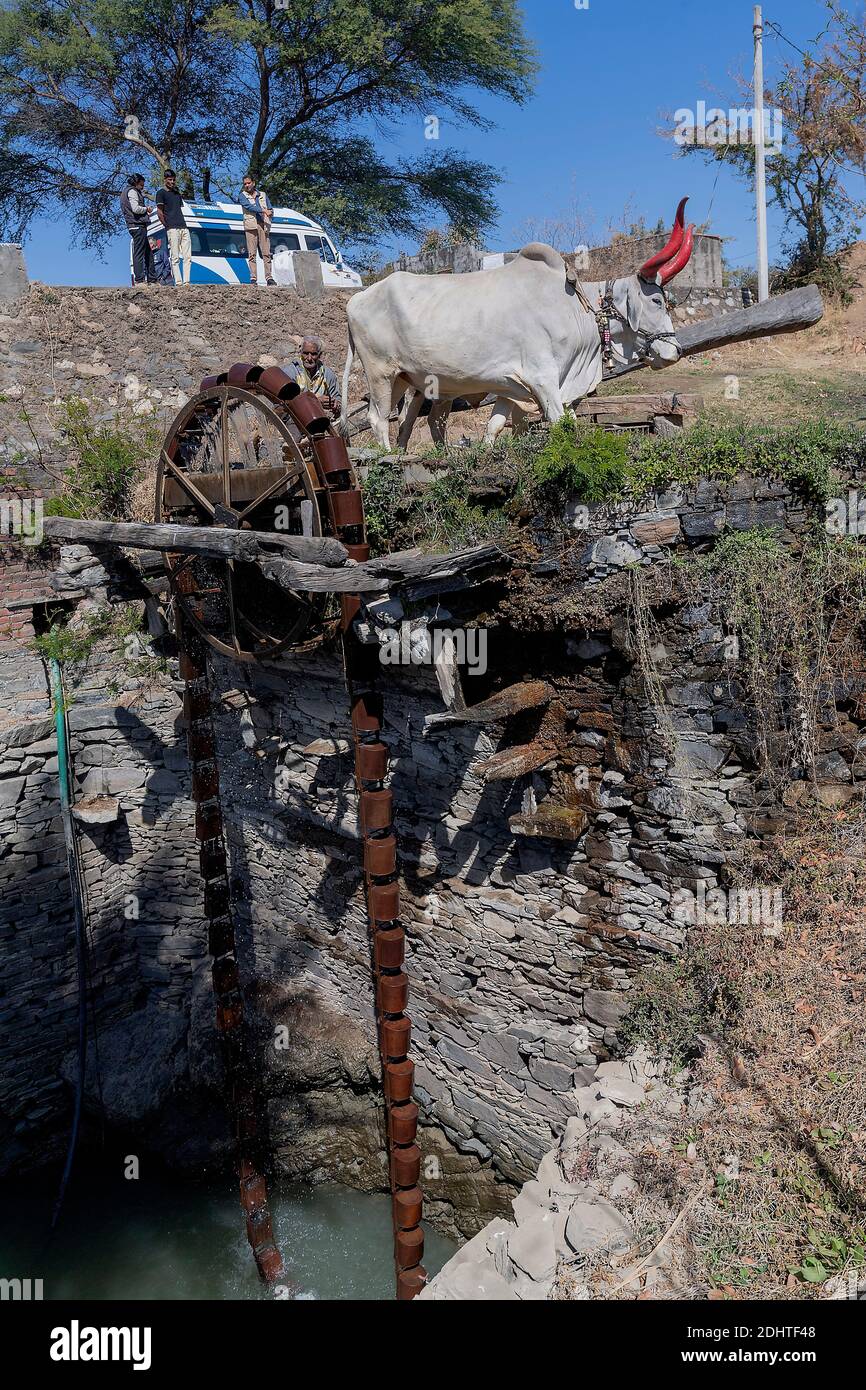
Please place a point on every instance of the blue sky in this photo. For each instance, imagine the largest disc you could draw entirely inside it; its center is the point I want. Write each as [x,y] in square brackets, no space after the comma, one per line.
[609,73]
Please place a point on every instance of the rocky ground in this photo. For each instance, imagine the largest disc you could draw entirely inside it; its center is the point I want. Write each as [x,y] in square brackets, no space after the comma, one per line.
[581,1225]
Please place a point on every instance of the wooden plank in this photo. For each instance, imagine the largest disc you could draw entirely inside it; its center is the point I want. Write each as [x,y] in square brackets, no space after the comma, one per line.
[246,485]
[505,703]
[783,313]
[654,402]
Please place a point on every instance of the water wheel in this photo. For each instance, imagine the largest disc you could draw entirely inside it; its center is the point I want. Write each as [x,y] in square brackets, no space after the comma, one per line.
[252,450]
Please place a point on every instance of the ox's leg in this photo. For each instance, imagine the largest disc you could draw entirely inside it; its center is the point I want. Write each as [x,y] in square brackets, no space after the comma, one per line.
[549,399]
[438,421]
[410,414]
[381,399]
[498,420]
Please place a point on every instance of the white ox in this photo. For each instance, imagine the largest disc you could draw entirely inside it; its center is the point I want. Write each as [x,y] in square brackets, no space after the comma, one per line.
[526,331]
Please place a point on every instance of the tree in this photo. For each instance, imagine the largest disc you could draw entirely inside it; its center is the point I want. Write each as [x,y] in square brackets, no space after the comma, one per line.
[78,78]
[821,99]
[301,93]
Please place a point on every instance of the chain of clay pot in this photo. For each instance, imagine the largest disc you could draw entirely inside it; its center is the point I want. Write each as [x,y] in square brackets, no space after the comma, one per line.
[376,812]
[243,1101]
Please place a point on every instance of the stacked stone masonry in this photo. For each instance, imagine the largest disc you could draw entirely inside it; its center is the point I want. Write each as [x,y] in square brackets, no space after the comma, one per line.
[521,950]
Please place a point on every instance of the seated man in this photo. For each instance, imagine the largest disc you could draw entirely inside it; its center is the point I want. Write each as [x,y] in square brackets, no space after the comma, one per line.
[311,374]
[161,260]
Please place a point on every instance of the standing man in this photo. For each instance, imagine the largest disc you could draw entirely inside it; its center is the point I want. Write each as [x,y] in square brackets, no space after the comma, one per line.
[169,207]
[257,226]
[136,213]
[311,374]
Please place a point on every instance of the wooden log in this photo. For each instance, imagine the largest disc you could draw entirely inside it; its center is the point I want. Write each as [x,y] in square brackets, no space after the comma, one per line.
[503,705]
[510,763]
[309,564]
[783,313]
[650,402]
[218,542]
[321,579]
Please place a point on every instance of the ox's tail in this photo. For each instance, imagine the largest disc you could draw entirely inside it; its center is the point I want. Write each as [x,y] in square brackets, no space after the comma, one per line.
[344,400]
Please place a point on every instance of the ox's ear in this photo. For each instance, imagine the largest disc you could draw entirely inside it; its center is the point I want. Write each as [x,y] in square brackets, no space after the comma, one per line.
[633,302]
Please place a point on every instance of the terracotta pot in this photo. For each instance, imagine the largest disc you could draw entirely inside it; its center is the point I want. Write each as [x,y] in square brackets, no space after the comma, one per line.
[208,822]
[385,902]
[307,412]
[409,1248]
[403,1123]
[205,782]
[277,383]
[377,810]
[389,947]
[347,507]
[393,994]
[367,713]
[254,1193]
[406,1165]
[220,936]
[410,1282]
[331,455]
[217,898]
[399,1079]
[239,374]
[408,1208]
[395,1038]
[380,856]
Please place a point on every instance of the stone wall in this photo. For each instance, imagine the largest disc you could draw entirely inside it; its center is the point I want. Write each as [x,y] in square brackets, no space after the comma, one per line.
[625,254]
[530,904]
[139,351]
[524,941]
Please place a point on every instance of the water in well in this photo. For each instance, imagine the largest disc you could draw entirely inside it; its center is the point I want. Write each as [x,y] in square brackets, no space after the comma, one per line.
[163,1237]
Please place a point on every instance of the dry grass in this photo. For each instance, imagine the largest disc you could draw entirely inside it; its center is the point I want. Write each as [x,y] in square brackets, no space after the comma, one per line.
[142,494]
[783,1066]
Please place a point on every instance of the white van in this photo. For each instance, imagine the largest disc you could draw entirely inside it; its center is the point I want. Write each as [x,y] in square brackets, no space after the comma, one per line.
[219,248]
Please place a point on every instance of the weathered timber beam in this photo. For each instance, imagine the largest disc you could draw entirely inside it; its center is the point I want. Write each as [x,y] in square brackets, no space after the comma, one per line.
[783,313]
[321,579]
[216,541]
[502,705]
[308,564]
[405,573]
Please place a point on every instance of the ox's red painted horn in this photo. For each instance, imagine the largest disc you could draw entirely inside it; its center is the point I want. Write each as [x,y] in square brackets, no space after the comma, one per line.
[674,267]
[649,268]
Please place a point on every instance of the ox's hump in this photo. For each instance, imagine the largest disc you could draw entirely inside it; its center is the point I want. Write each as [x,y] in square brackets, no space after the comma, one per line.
[540,251]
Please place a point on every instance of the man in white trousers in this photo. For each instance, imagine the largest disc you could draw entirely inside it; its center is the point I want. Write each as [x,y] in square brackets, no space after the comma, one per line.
[169,208]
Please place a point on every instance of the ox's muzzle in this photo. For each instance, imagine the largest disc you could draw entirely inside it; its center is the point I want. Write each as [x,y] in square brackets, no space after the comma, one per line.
[664,351]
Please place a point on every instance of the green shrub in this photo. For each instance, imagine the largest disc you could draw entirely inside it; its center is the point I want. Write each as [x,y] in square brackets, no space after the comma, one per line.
[72,646]
[107,463]
[804,455]
[579,459]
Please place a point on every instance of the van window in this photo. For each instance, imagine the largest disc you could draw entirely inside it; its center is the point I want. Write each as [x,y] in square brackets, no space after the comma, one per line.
[287,239]
[323,246]
[207,241]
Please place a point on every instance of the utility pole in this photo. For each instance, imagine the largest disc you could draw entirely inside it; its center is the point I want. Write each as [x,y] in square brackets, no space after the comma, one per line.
[760,165]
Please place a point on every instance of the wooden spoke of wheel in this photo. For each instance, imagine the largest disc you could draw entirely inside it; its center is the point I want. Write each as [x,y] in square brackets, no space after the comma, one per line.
[270,491]
[234,425]
[188,486]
